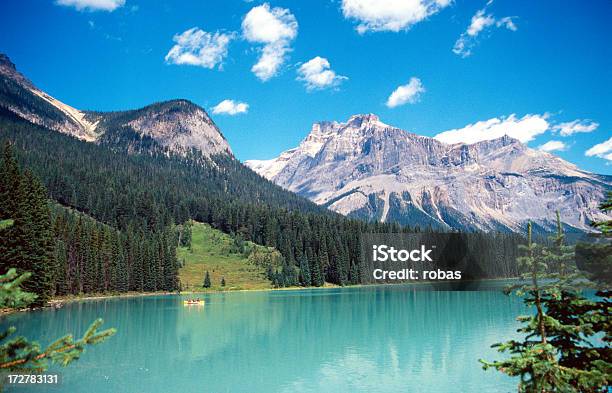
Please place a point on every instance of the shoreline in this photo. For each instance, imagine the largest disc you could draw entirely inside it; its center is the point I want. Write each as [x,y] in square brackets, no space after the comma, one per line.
[70,299]
[59,302]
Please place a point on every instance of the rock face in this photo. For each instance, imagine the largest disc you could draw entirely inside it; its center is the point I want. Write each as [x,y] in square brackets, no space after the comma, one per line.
[20,96]
[177,126]
[365,168]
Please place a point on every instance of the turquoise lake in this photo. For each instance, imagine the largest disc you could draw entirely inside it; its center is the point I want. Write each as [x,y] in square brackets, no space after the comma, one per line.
[367,339]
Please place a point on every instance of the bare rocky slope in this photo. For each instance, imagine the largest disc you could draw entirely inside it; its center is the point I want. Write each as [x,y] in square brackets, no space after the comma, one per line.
[177,126]
[365,168]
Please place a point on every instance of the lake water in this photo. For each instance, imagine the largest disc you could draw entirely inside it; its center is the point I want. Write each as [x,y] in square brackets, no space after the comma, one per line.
[368,339]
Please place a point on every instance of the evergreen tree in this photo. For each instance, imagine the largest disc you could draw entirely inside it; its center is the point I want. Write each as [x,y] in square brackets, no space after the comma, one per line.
[28,243]
[354,274]
[343,267]
[10,179]
[206,280]
[315,271]
[270,273]
[324,259]
[305,279]
[596,259]
[61,262]
[534,358]
[557,353]
[289,275]
[596,256]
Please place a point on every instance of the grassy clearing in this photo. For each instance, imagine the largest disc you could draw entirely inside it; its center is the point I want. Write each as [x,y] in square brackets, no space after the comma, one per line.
[5,224]
[218,253]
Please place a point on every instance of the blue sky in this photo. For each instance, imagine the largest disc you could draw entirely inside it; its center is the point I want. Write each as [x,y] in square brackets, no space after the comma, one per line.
[540,69]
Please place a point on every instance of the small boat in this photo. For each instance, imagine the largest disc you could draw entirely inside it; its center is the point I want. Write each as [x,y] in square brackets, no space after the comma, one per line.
[193,302]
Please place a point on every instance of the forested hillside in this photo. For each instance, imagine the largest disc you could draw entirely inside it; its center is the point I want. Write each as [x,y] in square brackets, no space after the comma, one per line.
[70,253]
[148,193]
[153,185]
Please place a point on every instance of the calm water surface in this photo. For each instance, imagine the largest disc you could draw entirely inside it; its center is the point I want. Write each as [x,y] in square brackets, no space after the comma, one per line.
[370,339]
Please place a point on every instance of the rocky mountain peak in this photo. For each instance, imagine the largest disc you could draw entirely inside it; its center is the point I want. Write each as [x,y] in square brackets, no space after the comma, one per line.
[323,127]
[8,70]
[362,120]
[179,125]
[6,62]
[326,129]
[500,142]
[507,140]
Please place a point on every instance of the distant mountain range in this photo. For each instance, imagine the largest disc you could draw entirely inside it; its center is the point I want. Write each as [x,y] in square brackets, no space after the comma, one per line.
[362,168]
[177,137]
[365,168]
[176,126]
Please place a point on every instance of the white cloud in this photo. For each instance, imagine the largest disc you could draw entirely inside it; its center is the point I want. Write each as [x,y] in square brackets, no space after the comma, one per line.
[92,5]
[406,94]
[480,22]
[230,107]
[574,127]
[272,58]
[553,146]
[601,150]
[390,15]
[507,22]
[267,26]
[524,129]
[274,28]
[317,74]
[199,48]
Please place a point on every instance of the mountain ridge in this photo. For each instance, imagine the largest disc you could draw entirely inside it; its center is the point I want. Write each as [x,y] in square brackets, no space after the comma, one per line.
[368,169]
[175,125]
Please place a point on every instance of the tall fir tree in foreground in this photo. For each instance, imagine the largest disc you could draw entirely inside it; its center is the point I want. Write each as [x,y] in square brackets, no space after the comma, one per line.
[596,256]
[559,352]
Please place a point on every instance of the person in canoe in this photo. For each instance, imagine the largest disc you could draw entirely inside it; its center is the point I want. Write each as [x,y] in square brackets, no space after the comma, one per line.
[194,301]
